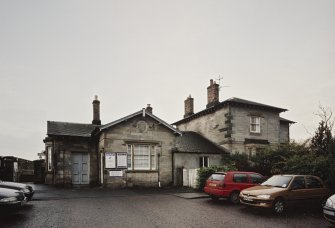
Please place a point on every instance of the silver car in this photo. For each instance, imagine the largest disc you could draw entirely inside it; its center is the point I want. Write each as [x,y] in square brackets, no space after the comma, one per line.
[11,198]
[329,209]
[26,189]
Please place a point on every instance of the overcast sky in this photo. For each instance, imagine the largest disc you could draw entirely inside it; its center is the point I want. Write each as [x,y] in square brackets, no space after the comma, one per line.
[56,55]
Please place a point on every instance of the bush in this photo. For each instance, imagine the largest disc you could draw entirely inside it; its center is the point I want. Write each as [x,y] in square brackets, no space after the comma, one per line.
[204,173]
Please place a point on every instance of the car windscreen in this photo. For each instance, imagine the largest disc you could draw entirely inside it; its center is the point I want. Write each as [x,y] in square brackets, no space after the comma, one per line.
[278,181]
[217,177]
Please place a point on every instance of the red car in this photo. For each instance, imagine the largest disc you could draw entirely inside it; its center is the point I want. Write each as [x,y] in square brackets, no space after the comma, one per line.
[229,184]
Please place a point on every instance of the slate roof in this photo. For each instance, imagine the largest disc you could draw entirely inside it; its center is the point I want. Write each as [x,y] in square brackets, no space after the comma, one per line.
[286,120]
[192,142]
[175,130]
[234,101]
[70,129]
[246,102]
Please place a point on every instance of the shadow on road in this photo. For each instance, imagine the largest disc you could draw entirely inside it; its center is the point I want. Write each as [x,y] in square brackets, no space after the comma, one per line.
[14,216]
[291,212]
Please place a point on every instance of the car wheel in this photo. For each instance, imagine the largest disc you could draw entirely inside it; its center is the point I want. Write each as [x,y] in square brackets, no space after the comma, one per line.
[278,206]
[235,197]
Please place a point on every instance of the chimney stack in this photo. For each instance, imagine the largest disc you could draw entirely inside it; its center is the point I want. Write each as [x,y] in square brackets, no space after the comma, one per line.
[96,111]
[189,106]
[212,94]
[148,109]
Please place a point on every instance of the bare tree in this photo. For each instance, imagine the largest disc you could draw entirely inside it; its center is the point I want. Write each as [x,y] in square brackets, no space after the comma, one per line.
[323,137]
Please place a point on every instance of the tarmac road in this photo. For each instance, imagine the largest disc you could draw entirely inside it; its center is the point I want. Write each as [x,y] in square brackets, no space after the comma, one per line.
[147,208]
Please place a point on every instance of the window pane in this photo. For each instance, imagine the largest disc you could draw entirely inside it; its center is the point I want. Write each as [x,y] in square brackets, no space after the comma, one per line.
[205,161]
[240,178]
[298,183]
[312,182]
[256,179]
[255,125]
[141,157]
[153,158]
[129,157]
[253,120]
[217,177]
[49,159]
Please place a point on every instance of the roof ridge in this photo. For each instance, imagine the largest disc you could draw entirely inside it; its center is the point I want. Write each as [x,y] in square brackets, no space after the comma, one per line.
[224,103]
[102,127]
[64,122]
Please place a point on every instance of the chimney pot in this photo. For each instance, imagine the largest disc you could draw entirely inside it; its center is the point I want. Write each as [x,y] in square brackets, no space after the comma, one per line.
[148,109]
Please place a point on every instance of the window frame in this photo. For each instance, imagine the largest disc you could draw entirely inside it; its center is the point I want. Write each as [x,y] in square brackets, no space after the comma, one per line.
[241,176]
[152,157]
[49,155]
[202,161]
[308,184]
[256,124]
[297,179]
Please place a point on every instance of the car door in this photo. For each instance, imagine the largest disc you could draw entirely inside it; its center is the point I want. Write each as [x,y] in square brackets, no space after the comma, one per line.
[297,193]
[241,181]
[315,189]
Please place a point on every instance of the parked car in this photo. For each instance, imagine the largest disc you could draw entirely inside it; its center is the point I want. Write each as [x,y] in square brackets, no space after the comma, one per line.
[27,189]
[11,198]
[329,209]
[229,184]
[281,191]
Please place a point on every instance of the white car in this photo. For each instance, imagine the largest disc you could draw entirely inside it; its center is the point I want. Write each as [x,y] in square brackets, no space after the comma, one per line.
[329,209]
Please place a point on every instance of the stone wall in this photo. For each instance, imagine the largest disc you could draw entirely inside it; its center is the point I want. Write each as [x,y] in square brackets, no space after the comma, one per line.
[140,130]
[63,147]
[284,132]
[191,161]
[269,128]
[212,126]
[230,126]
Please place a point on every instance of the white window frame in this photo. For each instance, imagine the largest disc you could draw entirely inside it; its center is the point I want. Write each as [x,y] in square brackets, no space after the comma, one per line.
[255,121]
[129,157]
[152,157]
[203,161]
[148,156]
[49,154]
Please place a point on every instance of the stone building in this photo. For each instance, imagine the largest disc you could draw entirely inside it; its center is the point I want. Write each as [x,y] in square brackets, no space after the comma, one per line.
[238,125]
[137,150]
[143,150]
[71,154]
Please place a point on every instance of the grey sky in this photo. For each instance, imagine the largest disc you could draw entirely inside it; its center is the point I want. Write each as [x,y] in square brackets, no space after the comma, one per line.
[56,55]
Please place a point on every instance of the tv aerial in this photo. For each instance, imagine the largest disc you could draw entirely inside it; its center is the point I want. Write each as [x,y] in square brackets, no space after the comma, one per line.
[219,80]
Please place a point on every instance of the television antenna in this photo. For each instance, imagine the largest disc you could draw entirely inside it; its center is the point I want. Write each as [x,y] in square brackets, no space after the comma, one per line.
[219,80]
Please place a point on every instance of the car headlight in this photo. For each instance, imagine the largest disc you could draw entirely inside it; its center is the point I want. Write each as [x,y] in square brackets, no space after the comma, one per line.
[8,199]
[265,196]
[330,203]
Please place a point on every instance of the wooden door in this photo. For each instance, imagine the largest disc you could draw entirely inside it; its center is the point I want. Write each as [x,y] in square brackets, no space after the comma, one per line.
[80,169]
